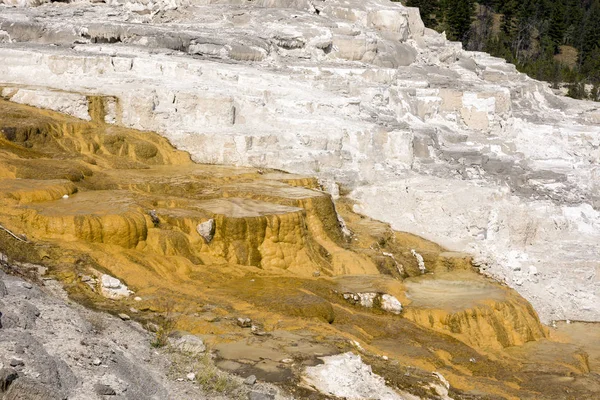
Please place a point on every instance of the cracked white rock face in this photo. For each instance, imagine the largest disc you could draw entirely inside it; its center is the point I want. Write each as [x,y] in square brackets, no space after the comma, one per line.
[452,145]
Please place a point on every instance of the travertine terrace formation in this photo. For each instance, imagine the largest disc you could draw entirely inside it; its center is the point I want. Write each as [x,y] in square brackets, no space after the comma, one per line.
[210,244]
[452,145]
[394,123]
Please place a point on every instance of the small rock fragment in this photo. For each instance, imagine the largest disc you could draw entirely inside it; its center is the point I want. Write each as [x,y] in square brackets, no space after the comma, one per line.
[124,317]
[7,376]
[533,270]
[152,327]
[97,361]
[191,376]
[137,298]
[113,288]
[3,290]
[27,388]
[391,304]
[104,390]
[257,331]
[443,380]
[420,260]
[244,322]
[15,362]
[154,217]
[251,380]
[189,344]
[365,299]
[9,319]
[518,281]
[27,285]
[254,395]
[206,230]
[65,196]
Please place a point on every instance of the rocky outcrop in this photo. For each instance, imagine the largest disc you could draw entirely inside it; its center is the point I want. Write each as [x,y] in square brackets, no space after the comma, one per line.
[383,301]
[59,351]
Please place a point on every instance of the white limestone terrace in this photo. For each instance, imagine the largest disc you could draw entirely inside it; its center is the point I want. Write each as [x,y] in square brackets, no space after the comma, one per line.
[452,145]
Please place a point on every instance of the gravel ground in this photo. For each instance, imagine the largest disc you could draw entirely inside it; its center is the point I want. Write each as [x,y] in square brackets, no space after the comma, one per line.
[59,349]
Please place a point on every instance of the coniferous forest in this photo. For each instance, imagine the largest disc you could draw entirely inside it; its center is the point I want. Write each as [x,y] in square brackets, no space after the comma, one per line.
[553,40]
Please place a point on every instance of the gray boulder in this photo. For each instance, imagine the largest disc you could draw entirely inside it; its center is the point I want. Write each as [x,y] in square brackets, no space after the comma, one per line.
[24,316]
[254,395]
[7,376]
[104,390]
[28,389]
[189,344]
[3,290]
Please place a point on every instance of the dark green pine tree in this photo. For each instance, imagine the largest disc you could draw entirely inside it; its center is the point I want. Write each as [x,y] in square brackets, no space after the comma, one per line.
[530,35]
[573,22]
[590,31]
[556,32]
[508,9]
[429,10]
[458,17]
[591,66]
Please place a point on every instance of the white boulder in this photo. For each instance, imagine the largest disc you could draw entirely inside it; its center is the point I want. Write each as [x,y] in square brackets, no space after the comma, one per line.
[206,230]
[113,288]
[391,304]
[346,376]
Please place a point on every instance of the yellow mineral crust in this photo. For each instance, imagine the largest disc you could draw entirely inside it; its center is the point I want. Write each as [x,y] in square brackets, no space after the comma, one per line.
[33,191]
[110,217]
[88,198]
[471,309]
